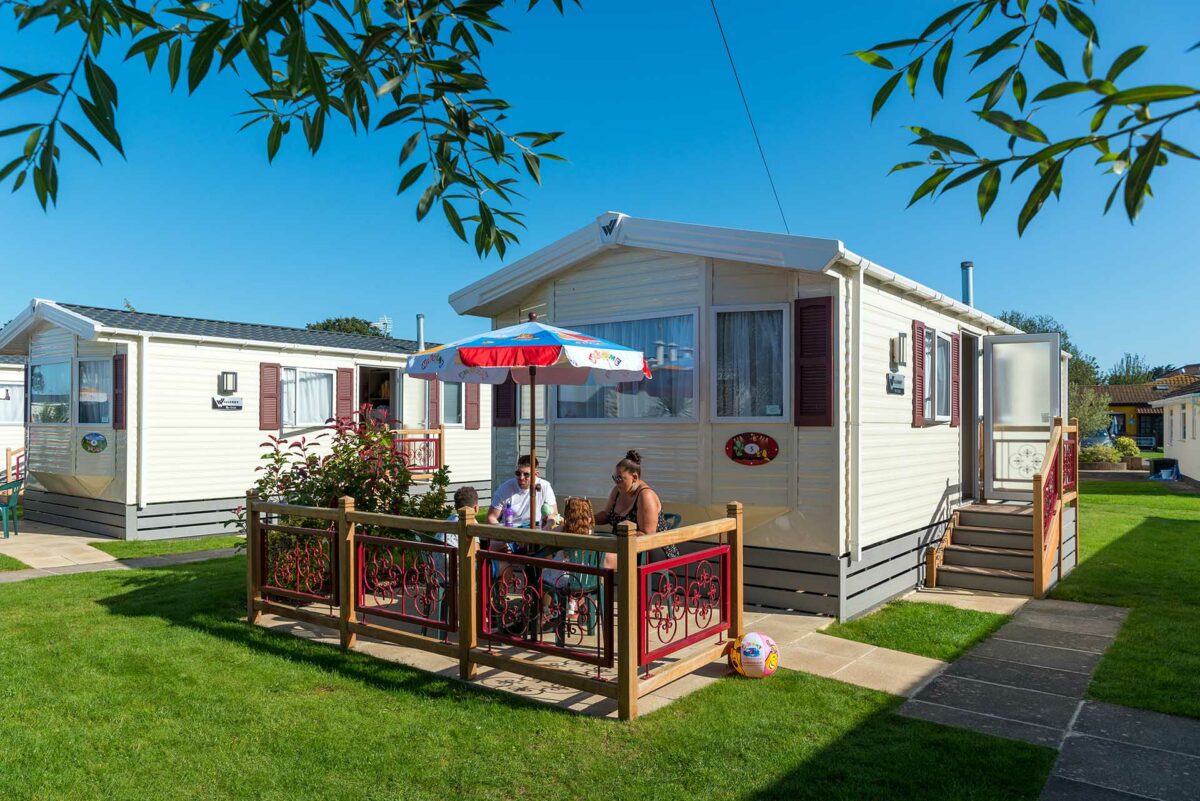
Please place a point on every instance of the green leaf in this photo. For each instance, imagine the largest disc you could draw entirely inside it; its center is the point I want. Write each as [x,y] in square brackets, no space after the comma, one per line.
[998,87]
[1049,55]
[12,165]
[1059,90]
[20,180]
[31,141]
[19,129]
[203,48]
[533,166]
[390,85]
[912,74]
[945,19]
[989,185]
[409,146]
[20,75]
[1178,150]
[1098,118]
[1022,128]
[1150,94]
[1123,61]
[452,218]
[940,142]
[174,60]
[102,87]
[393,117]
[874,59]
[79,140]
[426,201]
[897,43]
[1113,194]
[1079,20]
[906,165]
[930,184]
[940,64]
[102,124]
[883,94]
[1037,196]
[1019,89]
[1002,42]
[26,84]
[411,176]
[274,138]
[136,14]
[1139,175]
[1087,58]
[150,42]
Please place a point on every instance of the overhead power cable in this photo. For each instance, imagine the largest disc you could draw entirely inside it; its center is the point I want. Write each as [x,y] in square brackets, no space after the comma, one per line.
[749,116]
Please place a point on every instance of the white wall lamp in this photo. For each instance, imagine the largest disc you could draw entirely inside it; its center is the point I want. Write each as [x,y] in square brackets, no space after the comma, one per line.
[900,349]
[227,383]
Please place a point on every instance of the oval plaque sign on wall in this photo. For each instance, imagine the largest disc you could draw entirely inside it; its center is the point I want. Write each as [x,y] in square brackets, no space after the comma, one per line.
[751,448]
[94,442]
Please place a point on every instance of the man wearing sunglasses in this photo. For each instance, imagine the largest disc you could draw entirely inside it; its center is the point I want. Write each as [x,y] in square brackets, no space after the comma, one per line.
[515,491]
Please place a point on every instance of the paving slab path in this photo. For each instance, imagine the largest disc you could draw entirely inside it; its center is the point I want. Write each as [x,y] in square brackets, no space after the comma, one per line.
[12,576]
[1028,681]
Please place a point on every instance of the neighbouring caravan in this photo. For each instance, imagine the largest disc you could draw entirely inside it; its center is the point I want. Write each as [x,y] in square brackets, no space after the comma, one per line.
[147,426]
[839,401]
[1181,410]
[12,409]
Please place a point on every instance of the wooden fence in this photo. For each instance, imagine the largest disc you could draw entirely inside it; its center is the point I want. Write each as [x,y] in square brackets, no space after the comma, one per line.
[349,570]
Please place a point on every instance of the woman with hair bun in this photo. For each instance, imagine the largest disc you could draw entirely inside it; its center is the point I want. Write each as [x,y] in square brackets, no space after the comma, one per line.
[632,499]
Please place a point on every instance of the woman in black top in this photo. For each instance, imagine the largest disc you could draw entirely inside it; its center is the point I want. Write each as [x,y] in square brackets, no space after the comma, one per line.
[632,499]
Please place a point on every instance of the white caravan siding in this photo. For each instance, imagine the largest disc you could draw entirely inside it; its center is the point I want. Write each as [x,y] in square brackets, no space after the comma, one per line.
[910,476]
[12,435]
[1186,450]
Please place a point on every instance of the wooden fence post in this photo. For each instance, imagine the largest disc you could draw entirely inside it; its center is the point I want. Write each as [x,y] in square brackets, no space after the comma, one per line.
[736,602]
[1039,537]
[468,594]
[347,572]
[627,620]
[253,561]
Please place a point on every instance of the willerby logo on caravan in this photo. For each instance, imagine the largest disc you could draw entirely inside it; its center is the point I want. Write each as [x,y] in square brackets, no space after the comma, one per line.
[610,229]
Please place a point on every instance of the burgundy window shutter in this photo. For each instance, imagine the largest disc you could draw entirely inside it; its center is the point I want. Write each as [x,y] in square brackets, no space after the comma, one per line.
[918,382]
[471,412]
[954,379]
[812,356]
[435,403]
[344,407]
[504,404]
[119,392]
[268,396]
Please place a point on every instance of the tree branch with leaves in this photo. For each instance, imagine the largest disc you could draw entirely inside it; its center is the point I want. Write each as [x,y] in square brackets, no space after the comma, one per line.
[1127,123]
[417,62]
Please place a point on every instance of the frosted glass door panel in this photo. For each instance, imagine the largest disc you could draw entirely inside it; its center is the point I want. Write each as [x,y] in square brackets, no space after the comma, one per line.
[1020,390]
[1022,396]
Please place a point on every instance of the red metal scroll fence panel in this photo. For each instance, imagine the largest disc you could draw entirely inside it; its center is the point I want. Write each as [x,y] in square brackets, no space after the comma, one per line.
[1070,445]
[546,605]
[682,601]
[421,453]
[1050,496]
[299,564]
[414,582]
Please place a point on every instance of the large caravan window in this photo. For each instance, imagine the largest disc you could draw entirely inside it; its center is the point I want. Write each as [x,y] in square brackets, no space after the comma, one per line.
[305,397]
[750,363]
[12,404]
[50,393]
[452,403]
[942,370]
[95,391]
[670,347]
[938,367]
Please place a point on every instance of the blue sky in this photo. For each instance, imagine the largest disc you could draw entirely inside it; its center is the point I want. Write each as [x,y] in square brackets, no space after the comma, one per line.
[197,223]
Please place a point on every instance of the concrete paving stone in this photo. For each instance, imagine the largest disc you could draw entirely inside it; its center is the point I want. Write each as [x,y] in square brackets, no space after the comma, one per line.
[1060,789]
[1010,674]
[969,599]
[13,576]
[1140,727]
[891,671]
[95,567]
[997,727]
[683,686]
[1013,703]
[42,561]
[1017,632]
[1075,609]
[1048,620]
[836,646]
[1037,655]
[784,628]
[1147,772]
[796,657]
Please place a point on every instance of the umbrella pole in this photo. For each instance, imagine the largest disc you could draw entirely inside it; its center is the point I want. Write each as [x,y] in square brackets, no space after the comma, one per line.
[533,485]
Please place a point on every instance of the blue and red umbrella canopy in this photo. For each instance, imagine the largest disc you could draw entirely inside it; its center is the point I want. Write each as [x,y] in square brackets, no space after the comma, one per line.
[560,356]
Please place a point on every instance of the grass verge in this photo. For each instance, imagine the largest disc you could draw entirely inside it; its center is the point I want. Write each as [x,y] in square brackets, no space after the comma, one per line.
[152,686]
[938,631]
[1140,548]
[8,563]
[123,549]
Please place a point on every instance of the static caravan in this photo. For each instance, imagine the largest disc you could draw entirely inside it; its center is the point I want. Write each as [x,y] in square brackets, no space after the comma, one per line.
[147,426]
[839,401]
[12,411]
[1181,409]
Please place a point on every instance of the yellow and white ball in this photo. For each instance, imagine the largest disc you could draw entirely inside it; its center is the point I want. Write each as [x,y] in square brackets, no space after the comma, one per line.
[755,656]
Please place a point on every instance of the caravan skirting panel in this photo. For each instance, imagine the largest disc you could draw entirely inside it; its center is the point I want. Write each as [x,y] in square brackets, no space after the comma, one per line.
[155,521]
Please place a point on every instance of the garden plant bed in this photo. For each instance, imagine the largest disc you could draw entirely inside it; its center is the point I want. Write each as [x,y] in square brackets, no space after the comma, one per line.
[163,658]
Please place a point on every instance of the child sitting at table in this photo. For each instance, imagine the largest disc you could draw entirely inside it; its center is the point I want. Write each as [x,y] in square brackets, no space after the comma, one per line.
[578,518]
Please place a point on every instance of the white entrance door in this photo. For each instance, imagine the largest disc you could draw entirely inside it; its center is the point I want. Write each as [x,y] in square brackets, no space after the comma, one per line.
[1022,394]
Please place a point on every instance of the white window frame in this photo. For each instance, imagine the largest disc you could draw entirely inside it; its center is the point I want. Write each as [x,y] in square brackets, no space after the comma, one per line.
[20,421]
[462,404]
[75,399]
[783,308]
[296,396]
[693,419]
[71,391]
[931,379]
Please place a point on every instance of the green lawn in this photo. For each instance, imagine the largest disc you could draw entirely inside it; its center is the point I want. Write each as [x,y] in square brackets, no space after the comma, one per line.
[8,563]
[934,630]
[128,550]
[1141,549]
[147,684]
[1151,454]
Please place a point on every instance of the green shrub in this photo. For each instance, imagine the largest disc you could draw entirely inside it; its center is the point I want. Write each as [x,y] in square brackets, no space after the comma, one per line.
[1099,453]
[1126,447]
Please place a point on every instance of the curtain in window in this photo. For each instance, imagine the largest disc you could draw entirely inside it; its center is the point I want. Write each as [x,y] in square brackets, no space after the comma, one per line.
[452,402]
[750,363]
[305,398]
[943,377]
[287,396]
[670,348]
[12,404]
[929,337]
[95,392]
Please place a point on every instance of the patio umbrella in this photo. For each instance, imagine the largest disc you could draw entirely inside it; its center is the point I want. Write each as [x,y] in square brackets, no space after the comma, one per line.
[530,352]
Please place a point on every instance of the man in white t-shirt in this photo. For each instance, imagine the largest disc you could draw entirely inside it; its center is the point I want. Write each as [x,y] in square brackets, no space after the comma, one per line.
[515,491]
